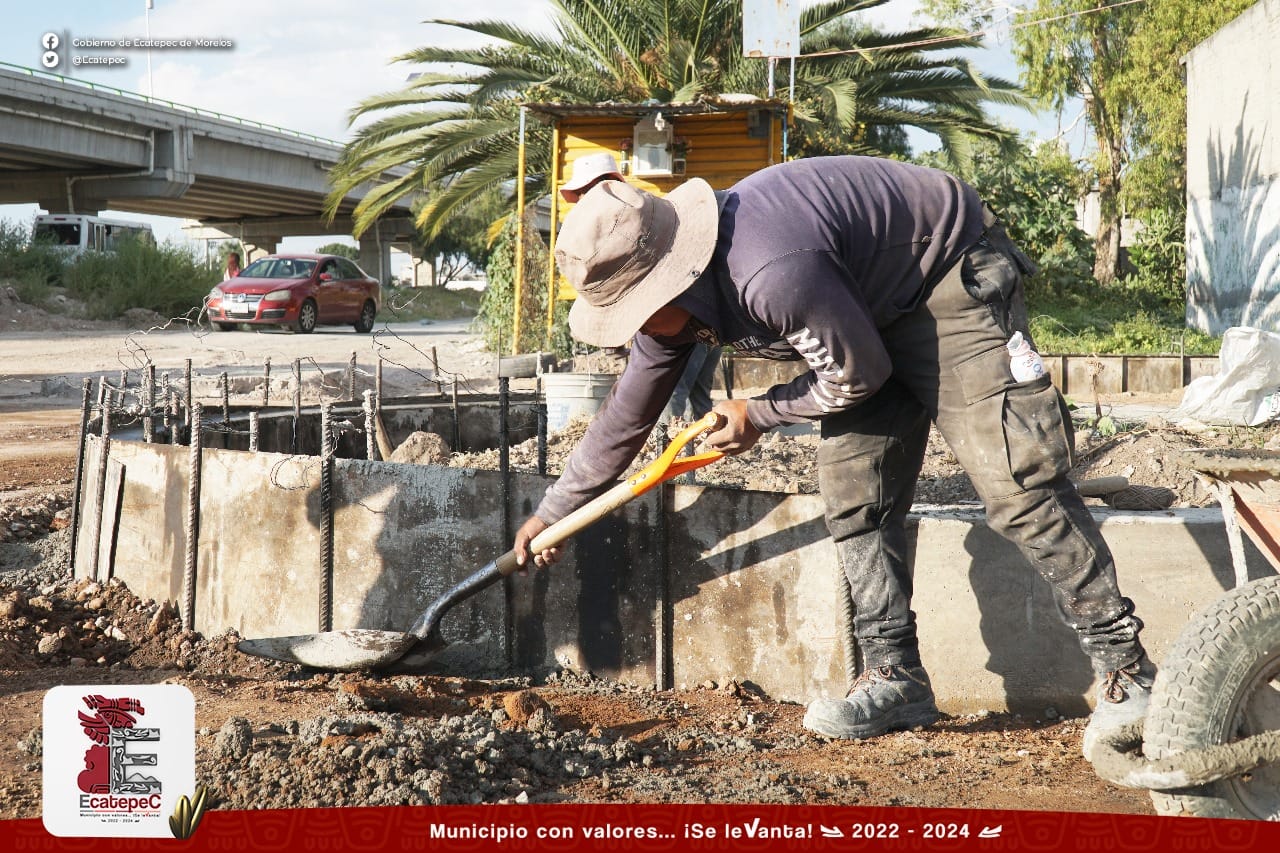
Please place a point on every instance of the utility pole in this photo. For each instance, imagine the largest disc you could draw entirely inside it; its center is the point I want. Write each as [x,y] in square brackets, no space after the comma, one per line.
[151,89]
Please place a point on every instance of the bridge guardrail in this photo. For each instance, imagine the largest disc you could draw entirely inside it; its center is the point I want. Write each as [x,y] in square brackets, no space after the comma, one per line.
[151,99]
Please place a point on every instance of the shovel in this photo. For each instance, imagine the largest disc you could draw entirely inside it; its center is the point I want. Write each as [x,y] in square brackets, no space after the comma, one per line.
[362,648]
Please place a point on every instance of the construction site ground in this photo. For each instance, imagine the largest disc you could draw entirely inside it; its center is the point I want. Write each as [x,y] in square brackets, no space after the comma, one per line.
[274,735]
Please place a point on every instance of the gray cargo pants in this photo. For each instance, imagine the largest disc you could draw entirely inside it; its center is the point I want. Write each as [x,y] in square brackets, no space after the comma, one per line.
[1015,441]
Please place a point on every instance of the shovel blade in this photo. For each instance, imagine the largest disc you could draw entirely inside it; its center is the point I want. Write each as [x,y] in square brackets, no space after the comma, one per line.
[343,651]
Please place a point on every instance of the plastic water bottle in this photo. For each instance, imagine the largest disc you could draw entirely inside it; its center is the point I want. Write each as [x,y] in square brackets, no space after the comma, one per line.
[1024,362]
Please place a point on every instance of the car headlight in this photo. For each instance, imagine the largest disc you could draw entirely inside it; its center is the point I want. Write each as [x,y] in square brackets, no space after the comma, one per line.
[278,296]
[216,293]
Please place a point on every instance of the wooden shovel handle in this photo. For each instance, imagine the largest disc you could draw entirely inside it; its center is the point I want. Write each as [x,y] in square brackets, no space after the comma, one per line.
[664,468]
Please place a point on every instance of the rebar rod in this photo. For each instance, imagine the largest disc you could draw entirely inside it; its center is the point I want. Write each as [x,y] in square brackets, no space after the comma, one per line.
[193,519]
[77,489]
[326,517]
[100,498]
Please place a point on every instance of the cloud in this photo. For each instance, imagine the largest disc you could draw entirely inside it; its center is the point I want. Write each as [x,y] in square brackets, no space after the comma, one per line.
[296,64]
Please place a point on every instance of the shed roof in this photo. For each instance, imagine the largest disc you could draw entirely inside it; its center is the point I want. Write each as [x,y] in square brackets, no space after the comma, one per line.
[708,106]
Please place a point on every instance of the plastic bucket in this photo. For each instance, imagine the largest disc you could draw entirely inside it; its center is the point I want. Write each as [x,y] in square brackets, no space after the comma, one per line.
[573,394]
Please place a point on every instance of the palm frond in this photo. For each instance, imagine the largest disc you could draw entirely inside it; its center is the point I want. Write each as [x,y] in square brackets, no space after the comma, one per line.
[452,132]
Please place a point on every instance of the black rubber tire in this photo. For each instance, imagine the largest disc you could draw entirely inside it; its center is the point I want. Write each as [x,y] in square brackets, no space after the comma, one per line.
[1221,682]
[307,316]
[368,313]
[225,327]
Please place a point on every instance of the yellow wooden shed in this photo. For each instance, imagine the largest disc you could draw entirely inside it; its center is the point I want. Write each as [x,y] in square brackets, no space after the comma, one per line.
[658,147]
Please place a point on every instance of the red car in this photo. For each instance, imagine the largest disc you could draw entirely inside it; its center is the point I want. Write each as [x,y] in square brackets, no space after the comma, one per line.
[297,292]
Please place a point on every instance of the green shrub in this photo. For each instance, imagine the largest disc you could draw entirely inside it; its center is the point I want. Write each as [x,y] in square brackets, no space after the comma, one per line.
[497,309]
[406,304]
[1033,186]
[1131,317]
[31,268]
[167,279]
[1159,256]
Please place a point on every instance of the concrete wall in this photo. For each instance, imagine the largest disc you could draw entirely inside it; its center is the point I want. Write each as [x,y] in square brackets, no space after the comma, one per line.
[722,584]
[1080,375]
[1233,161]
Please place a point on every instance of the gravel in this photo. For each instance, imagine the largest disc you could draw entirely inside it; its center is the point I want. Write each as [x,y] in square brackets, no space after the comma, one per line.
[32,516]
[483,754]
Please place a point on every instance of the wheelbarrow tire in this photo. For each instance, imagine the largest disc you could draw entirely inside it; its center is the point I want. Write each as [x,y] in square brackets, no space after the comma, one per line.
[1215,686]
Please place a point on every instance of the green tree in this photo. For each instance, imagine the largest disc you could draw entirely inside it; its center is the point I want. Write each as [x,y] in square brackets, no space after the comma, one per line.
[1075,49]
[1156,184]
[1124,64]
[1034,187]
[342,250]
[463,241]
[1084,56]
[454,131]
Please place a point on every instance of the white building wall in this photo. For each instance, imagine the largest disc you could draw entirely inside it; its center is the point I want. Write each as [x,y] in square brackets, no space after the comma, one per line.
[1233,165]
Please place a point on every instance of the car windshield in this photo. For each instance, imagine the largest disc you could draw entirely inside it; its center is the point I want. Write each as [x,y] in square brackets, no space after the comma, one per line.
[279,268]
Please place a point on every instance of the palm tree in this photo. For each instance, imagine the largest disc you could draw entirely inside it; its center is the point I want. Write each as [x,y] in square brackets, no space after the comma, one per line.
[455,131]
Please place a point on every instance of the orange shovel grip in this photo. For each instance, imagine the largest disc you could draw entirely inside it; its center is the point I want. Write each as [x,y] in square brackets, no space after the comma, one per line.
[667,466]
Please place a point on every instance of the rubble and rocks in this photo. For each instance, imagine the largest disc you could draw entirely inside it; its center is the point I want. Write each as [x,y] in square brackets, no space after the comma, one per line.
[31,516]
[48,619]
[1151,454]
[68,313]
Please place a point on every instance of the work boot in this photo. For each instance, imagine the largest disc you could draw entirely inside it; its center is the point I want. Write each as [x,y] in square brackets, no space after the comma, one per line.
[882,699]
[1123,698]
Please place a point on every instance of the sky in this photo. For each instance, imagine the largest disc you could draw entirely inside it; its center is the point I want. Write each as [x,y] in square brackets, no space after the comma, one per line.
[299,64]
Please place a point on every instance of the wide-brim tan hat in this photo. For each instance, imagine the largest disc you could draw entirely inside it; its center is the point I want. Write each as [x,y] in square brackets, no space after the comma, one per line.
[628,252]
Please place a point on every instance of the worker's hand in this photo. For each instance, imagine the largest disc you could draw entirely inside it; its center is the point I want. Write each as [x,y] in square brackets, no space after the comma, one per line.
[531,528]
[737,434]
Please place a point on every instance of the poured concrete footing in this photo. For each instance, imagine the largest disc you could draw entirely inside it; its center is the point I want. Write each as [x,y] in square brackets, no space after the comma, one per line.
[680,587]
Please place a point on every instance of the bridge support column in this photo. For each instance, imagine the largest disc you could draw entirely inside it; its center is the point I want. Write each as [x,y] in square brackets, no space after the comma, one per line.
[424,271]
[258,247]
[421,272]
[375,257]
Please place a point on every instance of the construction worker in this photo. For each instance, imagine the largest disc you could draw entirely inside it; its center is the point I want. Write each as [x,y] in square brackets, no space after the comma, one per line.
[901,292]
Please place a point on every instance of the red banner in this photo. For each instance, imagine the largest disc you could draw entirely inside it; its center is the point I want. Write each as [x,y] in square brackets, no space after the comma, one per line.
[673,827]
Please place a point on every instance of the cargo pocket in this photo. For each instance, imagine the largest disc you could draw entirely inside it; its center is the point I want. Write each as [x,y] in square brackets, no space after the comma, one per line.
[1036,432]
[1019,432]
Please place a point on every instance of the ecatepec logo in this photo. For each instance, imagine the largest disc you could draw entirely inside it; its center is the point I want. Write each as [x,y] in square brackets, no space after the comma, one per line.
[117,758]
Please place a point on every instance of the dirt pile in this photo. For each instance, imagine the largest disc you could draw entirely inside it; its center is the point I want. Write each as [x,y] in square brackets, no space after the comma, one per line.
[439,740]
[50,620]
[33,515]
[68,315]
[1154,453]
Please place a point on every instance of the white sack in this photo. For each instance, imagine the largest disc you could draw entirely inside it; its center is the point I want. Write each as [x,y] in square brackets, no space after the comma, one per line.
[1246,389]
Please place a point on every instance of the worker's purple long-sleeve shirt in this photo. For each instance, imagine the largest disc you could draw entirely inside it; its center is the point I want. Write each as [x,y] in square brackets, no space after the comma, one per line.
[813,258]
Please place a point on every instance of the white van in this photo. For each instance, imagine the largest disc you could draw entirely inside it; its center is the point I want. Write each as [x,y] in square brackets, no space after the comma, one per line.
[76,233]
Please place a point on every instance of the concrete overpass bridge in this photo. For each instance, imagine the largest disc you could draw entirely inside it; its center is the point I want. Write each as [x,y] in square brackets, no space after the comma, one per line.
[78,147]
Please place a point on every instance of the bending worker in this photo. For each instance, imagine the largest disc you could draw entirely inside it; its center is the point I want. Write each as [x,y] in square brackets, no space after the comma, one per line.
[900,292]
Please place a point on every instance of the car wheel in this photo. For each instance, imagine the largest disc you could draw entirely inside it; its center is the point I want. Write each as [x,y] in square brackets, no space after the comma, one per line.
[225,327]
[365,324]
[306,322]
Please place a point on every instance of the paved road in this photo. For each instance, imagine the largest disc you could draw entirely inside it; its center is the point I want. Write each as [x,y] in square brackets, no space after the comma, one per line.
[44,363]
